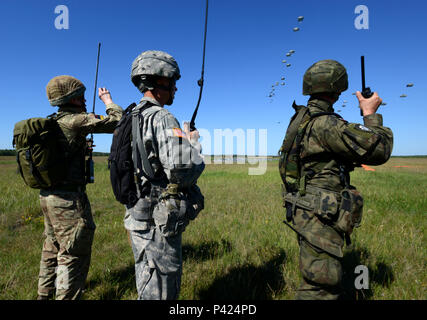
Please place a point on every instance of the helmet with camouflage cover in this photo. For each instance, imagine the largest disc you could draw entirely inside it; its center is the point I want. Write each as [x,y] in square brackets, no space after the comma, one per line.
[61,89]
[325,76]
[153,63]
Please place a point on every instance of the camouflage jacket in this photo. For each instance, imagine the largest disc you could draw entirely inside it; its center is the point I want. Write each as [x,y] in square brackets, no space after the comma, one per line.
[168,149]
[174,158]
[330,141]
[75,127]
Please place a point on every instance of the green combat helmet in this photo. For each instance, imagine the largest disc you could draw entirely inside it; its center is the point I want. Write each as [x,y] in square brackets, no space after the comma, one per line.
[325,76]
[62,89]
[153,63]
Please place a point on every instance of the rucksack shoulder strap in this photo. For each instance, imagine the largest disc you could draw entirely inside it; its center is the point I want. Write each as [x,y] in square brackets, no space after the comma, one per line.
[292,130]
[141,162]
[55,116]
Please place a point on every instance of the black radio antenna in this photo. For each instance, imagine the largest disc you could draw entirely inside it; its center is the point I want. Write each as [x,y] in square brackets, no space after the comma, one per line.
[201,80]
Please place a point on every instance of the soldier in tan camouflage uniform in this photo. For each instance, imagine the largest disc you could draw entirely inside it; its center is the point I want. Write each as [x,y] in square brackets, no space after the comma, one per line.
[323,207]
[69,226]
[167,203]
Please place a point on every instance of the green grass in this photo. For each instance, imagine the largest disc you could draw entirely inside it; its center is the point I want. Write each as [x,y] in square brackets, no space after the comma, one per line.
[238,247]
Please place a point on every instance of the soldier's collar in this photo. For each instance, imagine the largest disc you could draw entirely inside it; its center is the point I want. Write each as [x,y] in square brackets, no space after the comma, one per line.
[151,100]
[321,104]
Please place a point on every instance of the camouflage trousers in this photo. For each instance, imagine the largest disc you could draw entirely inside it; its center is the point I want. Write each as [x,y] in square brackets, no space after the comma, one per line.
[66,253]
[158,264]
[319,260]
[321,272]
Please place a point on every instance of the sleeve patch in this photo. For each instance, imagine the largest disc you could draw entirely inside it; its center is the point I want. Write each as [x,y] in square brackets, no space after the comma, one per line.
[177,132]
[363,128]
[97,116]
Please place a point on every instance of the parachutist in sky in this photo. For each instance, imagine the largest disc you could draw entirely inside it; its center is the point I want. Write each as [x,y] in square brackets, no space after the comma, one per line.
[288,65]
[403,96]
[300,18]
[410,85]
[296,29]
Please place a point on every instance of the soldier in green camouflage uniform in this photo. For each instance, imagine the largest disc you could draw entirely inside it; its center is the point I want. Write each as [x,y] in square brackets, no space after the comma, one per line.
[69,226]
[166,204]
[324,208]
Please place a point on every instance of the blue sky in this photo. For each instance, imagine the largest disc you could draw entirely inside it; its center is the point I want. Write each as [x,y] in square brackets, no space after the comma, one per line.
[246,42]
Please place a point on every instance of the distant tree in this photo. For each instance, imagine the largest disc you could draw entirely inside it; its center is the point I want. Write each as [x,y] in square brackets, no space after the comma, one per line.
[7,152]
[101,154]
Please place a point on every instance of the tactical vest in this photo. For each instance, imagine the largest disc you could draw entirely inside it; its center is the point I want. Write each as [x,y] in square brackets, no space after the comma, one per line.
[290,166]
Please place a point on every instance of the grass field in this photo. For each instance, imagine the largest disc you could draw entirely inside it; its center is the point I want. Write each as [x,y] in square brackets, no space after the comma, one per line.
[238,247]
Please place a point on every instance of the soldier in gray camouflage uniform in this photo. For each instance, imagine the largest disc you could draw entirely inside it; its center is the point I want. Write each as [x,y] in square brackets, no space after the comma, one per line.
[325,207]
[69,226]
[167,203]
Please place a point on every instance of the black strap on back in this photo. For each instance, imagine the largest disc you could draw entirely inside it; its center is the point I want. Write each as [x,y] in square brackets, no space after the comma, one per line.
[142,166]
[140,157]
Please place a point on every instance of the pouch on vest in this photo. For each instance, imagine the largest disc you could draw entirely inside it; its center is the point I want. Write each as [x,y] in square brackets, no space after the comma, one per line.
[328,205]
[41,152]
[142,211]
[350,211]
[170,215]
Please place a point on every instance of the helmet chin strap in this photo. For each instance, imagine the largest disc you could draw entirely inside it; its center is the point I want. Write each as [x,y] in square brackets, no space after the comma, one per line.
[169,89]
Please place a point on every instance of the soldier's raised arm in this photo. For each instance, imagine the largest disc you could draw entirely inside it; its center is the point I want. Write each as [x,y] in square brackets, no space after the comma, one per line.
[370,143]
[93,123]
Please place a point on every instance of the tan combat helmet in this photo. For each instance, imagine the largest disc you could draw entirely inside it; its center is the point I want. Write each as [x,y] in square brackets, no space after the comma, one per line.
[325,76]
[61,89]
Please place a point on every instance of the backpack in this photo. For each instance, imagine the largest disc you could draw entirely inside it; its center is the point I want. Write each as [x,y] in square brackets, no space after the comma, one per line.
[123,170]
[289,154]
[41,151]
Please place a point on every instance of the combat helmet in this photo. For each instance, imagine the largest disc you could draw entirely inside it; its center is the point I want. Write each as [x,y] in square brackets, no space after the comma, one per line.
[150,64]
[325,76]
[61,89]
